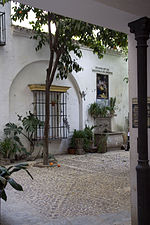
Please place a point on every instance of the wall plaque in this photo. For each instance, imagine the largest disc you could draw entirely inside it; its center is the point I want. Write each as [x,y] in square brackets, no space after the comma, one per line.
[102,70]
[135,112]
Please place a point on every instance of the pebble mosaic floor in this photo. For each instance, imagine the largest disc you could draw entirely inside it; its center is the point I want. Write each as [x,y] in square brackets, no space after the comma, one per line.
[89,184]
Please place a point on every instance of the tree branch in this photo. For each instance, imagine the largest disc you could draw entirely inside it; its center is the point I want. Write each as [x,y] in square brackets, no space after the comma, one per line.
[55,65]
[50,65]
[50,16]
[49,30]
[56,39]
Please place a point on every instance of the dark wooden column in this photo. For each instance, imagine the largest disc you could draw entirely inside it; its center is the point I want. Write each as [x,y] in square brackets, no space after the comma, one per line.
[141,29]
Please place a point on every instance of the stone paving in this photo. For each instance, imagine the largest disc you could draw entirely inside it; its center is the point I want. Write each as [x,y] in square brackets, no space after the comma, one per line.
[87,185]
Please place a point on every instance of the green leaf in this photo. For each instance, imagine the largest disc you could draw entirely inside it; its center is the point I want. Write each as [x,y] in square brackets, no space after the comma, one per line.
[28,173]
[3,195]
[15,185]
[16,169]
[3,180]
[22,165]
[9,167]
[2,168]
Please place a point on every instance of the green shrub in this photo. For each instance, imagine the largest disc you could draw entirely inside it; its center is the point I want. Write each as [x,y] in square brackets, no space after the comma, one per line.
[76,134]
[97,110]
[102,143]
[79,134]
[9,147]
[112,105]
[86,134]
[30,124]
[94,109]
[11,144]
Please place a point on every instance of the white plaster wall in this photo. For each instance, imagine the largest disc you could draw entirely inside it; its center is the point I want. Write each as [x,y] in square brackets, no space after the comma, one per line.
[17,53]
[117,87]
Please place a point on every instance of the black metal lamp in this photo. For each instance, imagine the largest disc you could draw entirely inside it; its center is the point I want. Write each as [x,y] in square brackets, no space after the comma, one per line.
[2,29]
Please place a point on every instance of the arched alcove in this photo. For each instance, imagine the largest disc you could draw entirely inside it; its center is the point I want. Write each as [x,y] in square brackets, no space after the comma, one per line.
[21,98]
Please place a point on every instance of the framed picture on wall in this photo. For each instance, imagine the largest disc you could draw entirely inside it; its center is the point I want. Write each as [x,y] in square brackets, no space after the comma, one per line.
[102,86]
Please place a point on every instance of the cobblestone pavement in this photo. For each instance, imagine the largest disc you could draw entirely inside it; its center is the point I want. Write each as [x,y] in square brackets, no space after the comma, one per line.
[90,184]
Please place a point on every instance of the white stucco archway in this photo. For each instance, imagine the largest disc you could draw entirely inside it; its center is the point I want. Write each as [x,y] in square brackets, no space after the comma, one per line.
[21,98]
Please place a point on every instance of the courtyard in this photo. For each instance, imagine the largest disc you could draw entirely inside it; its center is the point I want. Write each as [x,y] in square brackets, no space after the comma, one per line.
[83,185]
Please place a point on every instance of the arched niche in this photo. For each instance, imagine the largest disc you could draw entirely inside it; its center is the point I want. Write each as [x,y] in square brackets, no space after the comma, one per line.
[21,98]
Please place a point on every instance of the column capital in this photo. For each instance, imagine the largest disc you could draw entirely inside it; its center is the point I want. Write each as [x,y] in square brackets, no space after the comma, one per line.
[141,28]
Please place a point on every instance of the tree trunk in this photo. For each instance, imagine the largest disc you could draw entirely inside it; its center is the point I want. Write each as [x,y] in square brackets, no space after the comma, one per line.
[46,129]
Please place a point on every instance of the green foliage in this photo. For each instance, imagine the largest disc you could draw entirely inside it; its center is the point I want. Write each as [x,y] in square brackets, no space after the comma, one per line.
[112,105]
[11,144]
[69,35]
[97,110]
[112,102]
[102,144]
[30,124]
[88,137]
[12,129]
[94,109]
[86,134]
[5,178]
[3,2]
[104,111]
[9,147]
[126,79]
[72,143]
[78,134]
[5,147]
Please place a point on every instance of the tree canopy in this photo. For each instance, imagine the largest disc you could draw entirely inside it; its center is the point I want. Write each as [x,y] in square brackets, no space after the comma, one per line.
[70,34]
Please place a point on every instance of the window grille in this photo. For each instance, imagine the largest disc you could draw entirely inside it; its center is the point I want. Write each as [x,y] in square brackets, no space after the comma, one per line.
[58,125]
[2,29]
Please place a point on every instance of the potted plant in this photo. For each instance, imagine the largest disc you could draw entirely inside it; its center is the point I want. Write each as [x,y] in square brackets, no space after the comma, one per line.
[72,146]
[112,106]
[101,142]
[102,120]
[78,141]
[94,110]
[11,145]
[89,139]
[102,115]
